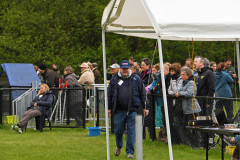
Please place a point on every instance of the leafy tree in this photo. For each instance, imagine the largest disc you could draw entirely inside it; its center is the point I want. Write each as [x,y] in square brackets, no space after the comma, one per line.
[68,32]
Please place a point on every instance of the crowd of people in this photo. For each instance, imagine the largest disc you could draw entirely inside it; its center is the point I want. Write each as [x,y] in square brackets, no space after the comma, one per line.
[197,77]
[89,74]
[53,79]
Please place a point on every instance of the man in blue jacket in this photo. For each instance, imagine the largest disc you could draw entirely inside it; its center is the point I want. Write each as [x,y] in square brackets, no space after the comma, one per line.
[126,95]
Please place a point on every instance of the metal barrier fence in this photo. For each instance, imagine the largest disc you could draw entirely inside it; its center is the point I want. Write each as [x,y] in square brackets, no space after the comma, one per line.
[95,106]
[6,102]
[69,107]
[20,104]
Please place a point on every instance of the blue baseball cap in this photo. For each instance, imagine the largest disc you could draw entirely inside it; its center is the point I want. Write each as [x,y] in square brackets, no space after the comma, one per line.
[125,64]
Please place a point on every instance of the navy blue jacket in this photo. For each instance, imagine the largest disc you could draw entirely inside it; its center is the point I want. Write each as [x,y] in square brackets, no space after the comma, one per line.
[137,92]
[45,101]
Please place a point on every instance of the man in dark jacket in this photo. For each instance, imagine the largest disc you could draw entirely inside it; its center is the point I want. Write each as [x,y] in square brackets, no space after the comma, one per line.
[206,84]
[96,73]
[231,71]
[49,76]
[126,94]
[205,87]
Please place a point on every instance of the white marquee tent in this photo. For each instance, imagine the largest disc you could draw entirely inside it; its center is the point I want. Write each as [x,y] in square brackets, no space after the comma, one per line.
[204,20]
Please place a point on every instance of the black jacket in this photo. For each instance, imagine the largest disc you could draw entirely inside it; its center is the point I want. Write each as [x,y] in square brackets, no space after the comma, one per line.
[206,82]
[96,75]
[146,78]
[51,78]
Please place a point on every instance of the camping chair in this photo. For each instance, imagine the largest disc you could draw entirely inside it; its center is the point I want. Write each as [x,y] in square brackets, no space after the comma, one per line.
[40,120]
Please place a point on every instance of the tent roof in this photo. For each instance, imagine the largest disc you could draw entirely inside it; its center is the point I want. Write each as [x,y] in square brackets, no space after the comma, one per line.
[205,20]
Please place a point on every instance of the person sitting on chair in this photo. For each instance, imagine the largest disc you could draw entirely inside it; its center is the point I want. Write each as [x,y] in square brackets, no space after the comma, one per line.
[43,99]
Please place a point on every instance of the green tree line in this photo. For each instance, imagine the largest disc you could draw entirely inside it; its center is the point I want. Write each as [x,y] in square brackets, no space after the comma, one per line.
[68,32]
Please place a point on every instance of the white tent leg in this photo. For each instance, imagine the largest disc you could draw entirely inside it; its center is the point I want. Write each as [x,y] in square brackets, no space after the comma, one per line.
[165,99]
[139,134]
[238,63]
[105,94]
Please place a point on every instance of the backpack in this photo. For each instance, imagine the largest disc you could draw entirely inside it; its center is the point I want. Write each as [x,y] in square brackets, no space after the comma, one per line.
[158,88]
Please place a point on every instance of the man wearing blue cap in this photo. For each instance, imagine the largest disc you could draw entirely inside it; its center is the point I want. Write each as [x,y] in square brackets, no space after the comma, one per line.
[126,95]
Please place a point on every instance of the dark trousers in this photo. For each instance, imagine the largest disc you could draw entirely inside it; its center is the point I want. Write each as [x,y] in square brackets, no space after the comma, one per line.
[149,121]
[228,104]
[75,111]
[172,114]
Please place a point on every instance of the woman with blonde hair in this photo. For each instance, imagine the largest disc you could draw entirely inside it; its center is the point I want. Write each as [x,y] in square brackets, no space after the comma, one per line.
[44,98]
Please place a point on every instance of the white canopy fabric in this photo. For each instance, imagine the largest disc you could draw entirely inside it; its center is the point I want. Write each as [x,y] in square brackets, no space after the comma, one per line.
[200,20]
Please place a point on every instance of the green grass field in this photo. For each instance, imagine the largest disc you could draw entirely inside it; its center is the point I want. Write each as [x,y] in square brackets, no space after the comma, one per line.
[75,144]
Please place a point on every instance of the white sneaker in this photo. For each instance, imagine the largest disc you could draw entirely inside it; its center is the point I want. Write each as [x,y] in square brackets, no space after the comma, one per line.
[17,129]
[130,156]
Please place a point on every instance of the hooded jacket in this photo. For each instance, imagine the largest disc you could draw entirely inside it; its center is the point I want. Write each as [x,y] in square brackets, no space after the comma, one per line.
[189,104]
[222,82]
[136,91]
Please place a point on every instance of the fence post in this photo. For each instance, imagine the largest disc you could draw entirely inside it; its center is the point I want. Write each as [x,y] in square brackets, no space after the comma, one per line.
[1,106]
[97,105]
[84,107]
[10,101]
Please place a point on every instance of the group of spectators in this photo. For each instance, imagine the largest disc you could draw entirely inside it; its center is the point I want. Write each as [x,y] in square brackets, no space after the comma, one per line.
[89,75]
[130,85]
[197,77]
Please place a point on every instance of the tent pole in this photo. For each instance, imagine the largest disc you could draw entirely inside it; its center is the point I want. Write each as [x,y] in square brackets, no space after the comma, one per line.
[165,98]
[238,63]
[109,14]
[105,93]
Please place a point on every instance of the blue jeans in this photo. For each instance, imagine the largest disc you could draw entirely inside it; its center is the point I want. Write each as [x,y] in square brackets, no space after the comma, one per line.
[121,118]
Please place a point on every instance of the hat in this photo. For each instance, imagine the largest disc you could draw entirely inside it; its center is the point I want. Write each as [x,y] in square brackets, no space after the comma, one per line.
[115,65]
[94,64]
[125,64]
[85,65]
[42,66]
